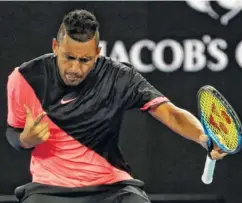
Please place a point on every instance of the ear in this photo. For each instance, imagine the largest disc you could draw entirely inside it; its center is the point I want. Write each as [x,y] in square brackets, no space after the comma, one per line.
[55,46]
[98,52]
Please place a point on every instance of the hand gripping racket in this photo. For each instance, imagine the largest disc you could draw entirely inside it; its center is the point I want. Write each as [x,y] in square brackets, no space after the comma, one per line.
[221,124]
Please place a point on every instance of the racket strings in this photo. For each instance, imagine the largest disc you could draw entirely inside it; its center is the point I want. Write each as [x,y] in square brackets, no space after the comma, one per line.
[218,120]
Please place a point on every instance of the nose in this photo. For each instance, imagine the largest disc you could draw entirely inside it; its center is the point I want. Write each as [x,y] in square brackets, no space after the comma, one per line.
[76,67]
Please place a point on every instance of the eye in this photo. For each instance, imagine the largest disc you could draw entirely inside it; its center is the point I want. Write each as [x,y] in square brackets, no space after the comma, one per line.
[84,60]
[70,57]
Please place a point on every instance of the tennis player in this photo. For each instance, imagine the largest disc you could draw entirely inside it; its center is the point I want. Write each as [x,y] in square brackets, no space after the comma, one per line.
[67,106]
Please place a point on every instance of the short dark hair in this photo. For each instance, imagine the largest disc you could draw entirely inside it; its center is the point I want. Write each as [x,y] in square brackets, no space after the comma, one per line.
[80,25]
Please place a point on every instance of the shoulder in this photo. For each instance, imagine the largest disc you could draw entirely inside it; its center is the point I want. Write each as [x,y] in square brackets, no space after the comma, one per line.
[16,77]
[120,68]
[36,63]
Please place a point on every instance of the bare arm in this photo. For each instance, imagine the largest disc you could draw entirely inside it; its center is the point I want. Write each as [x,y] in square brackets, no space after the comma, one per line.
[179,120]
[185,124]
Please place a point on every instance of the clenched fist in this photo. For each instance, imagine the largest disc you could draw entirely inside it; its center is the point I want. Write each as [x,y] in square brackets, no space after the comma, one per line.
[35,131]
[216,152]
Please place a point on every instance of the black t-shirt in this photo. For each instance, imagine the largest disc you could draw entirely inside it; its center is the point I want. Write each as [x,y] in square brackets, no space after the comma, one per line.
[89,113]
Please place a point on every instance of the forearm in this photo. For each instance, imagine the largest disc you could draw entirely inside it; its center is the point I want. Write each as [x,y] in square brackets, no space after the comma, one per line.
[187,125]
[180,121]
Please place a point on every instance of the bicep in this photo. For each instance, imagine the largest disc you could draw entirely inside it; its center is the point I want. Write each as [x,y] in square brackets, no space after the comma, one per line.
[165,113]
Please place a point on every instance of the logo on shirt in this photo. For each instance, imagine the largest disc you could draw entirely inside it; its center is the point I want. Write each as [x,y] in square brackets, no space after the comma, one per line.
[67,101]
[69,98]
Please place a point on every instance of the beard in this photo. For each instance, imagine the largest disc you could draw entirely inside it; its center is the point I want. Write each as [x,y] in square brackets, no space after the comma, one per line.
[73,79]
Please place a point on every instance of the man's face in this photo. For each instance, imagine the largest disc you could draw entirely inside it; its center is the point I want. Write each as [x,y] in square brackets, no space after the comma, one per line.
[75,59]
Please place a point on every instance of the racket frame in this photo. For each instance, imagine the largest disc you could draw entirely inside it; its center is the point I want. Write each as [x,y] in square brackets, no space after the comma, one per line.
[229,110]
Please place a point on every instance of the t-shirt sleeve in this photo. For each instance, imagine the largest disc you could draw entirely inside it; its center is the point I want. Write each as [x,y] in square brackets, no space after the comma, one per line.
[15,99]
[140,93]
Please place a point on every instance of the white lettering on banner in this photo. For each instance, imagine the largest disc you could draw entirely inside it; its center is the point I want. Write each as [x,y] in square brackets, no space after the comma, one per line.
[195,58]
[192,55]
[119,52]
[135,55]
[233,8]
[158,55]
[238,54]
[218,54]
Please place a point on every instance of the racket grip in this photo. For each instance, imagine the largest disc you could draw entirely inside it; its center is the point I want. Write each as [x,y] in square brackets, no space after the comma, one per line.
[208,172]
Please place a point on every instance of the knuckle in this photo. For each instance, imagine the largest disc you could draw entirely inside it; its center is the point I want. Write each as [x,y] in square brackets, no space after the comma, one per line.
[47,135]
[34,132]
[39,137]
[45,138]
[42,138]
[44,125]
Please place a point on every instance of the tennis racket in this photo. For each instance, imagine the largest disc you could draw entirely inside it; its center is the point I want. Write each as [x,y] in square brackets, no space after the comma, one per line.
[221,124]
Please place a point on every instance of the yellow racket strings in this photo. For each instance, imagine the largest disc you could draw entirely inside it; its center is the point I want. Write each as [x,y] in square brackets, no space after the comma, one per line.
[219,120]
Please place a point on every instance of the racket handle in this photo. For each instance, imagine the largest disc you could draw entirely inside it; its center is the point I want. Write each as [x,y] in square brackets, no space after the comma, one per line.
[208,172]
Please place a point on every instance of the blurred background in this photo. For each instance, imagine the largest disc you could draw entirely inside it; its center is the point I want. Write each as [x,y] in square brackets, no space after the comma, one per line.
[179,47]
